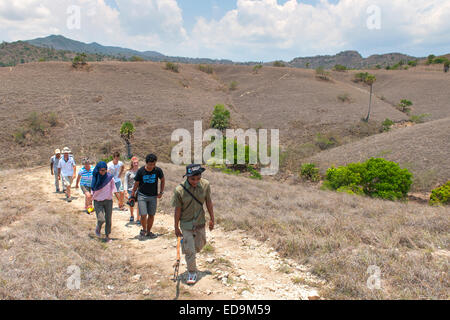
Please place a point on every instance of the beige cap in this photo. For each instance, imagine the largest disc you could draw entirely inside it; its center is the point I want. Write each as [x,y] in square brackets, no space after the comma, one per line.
[57,151]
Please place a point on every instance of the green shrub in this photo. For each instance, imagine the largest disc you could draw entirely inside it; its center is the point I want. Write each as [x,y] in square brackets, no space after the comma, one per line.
[441,195]
[279,63]
[79,60]
[387,124]
[326,141]
[172,67]
[254,173]
[404,106]
[419,118]
[206,68]
[221,117]
[361,77]
[233,85]
[53,119]
[136,59]
[310,172]
[430,58]
[412,63]
[257,68]
[322,74]
[376,177]
[340,67]
[35,123]
[19,135]
[440,60]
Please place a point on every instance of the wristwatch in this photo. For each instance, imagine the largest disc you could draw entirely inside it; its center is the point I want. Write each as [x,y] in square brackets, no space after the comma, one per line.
[162,192]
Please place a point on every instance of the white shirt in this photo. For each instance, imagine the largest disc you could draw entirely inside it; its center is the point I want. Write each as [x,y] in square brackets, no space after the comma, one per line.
[114,169]
[66,167]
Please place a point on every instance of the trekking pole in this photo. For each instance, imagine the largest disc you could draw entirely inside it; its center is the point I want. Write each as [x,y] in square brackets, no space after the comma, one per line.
[177,263]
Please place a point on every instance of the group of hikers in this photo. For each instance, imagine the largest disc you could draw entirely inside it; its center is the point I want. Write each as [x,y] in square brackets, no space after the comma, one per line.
[100,184]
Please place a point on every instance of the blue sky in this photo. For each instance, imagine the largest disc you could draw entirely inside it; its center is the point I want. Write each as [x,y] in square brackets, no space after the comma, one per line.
[241,30]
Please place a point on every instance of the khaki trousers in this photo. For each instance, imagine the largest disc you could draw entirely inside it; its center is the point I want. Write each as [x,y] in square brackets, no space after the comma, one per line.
[193,243]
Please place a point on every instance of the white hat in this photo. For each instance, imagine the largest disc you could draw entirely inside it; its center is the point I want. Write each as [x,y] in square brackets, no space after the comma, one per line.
[57,151]
[66,150]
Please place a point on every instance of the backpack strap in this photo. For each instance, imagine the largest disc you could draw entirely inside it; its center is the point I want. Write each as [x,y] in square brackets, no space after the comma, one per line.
[190,193]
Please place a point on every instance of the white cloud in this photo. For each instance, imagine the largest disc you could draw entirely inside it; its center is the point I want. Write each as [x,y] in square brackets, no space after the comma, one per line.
[255,30]
[264,29]
[139,24]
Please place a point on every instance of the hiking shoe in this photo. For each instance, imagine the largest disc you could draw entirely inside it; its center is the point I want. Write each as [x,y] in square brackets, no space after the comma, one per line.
[131,219]
[151,235]
[138,222]
[108,240]
[69,199]
[97,232]
[142,233]
[191,278]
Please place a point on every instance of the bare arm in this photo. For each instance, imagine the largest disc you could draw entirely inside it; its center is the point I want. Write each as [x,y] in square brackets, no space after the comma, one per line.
[51,168]
[163,184]
[209,205]
[78,181]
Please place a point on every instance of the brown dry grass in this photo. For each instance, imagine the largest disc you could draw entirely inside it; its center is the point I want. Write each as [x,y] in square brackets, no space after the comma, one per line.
[339,235]
[40,240]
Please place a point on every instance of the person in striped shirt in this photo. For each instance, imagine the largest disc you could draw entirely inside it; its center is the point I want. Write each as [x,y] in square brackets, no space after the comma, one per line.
[85,181]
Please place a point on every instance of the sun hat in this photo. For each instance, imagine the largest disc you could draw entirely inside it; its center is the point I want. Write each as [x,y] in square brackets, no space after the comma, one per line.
[193,170]
[66,150]
[57,151]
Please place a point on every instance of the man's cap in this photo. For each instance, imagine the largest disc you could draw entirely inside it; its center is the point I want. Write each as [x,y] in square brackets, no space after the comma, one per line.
[57,151]
[86,160]
[66,150]
[193,169]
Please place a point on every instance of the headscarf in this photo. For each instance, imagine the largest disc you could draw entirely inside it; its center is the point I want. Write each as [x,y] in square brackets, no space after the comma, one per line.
[99,181]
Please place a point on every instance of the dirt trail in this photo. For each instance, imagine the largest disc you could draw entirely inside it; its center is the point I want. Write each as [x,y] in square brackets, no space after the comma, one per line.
[232,266]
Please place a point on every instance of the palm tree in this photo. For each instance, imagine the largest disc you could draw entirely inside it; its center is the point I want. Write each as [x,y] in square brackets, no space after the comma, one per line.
[126,133]
[370,80]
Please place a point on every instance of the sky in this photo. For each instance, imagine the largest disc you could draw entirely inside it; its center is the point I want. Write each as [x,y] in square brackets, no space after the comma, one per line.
[239,30]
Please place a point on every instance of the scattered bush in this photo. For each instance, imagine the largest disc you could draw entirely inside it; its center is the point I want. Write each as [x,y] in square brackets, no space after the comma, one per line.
[419,118]
[172,67]
[257,68]
[206,68]
[440,60]
[136,59]
[233,85]
[430,59]
[53,119]
[345,97]
[254,173]
[279,63]
[361,77]
[340,67]
[412,63]
[326,141]
[79,60]
[387,124]
[221,117]
[310,172]
[322,74]
[441,195]
[376,177]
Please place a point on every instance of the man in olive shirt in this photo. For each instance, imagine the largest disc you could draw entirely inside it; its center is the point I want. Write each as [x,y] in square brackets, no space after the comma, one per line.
[188,200]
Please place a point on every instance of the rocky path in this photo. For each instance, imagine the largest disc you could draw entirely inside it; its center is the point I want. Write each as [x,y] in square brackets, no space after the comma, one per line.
[231,266]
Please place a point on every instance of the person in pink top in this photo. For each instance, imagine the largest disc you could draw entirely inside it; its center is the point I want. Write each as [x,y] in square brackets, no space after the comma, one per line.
[103,190]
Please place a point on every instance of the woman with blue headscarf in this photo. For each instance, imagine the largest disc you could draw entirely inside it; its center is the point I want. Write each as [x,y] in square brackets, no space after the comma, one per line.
[103,189]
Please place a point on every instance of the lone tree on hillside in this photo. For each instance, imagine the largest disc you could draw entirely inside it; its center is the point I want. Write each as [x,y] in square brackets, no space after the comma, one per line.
[221,117]
[127,133]
[79,60]
[369,80]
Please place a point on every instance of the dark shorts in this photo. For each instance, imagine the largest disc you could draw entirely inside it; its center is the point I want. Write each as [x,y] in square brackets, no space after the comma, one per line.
[147,205]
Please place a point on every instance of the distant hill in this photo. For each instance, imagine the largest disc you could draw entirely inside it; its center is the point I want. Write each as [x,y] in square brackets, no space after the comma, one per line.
[19,52]
[62,43]
[350,59]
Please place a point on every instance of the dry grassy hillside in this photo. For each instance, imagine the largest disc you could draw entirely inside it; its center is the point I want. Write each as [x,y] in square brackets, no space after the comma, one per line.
[422,148]
[86,109]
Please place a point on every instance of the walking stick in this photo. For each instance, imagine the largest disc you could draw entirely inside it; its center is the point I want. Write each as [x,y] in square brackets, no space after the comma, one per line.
[177,263]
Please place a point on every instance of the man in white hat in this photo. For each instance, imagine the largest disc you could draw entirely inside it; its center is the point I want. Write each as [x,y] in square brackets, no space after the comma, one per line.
[54,160]
[67,170]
